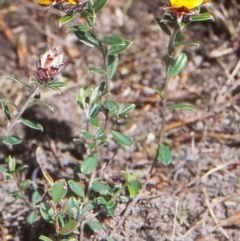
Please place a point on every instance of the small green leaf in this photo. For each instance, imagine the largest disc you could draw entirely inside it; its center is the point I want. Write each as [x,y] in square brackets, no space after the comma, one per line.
[91,146]
[101,200]
[114,50]
[59,190]
[47,212]
[101,134]
[57,84]
[80,27]
[126,176]
[201,17]
[86,39]
[23,166]
[109,239]
[36,197]
[110,212]
[18,81]
[24,184]
[98,5]
[6,110]
[131,191]
[123,199]
[95,70]
[112,65]
[121,138]
[89,164]
[112,106]
[135,184]
[11,140]
[180,63]
[11,162]
[59,221]
[11,102]
[44,238]
[94,122]
[44,103]
[73,208]
[100,187]
[112,40]
[127,109]
[156,90]
[86,134]
[31,124]
[69,227]
[164,155]
[66,18]
[182,107]
[110,204]
[77,188]
[90,14]
[95,110]
[32,217]
[169,60]
[163,26]
[16,195]
[186,43]
[95,226]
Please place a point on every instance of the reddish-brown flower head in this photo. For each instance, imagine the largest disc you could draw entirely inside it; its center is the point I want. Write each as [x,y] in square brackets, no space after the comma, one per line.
[50,64]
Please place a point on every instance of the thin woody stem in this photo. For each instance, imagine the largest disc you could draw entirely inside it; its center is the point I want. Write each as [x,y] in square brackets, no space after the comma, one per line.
[103,51]
[171,49]
[29,100]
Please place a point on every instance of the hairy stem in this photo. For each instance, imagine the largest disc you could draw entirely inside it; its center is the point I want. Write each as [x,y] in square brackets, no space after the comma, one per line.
[163,111]
[28,102]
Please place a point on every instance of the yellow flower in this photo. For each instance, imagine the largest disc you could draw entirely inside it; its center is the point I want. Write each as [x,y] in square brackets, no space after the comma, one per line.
[188,4]
[48,2]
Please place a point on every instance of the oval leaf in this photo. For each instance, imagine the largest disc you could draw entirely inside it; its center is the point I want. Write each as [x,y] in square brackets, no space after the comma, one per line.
[98,5]
[114,50]
[163,26]
[86,134]
[95,70]
[164,155]
[112,40]
[121,138]
[77,188]
[32,125]
[44,238]
[44,103]
[69,227]
[65,19]
[6,110]
[11,140]
[112,65]
[178,66]
[59,190]
[19,81]
[32,217]
[127,109]
[86,39]
[95,226]
[201,17]
[94,122]
[89,164]
[47,212]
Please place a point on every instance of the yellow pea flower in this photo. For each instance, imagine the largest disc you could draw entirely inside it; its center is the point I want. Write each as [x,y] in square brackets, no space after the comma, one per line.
[48,2]
[189,4]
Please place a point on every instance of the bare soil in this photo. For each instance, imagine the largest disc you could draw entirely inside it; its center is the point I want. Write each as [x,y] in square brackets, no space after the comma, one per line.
[194,198]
